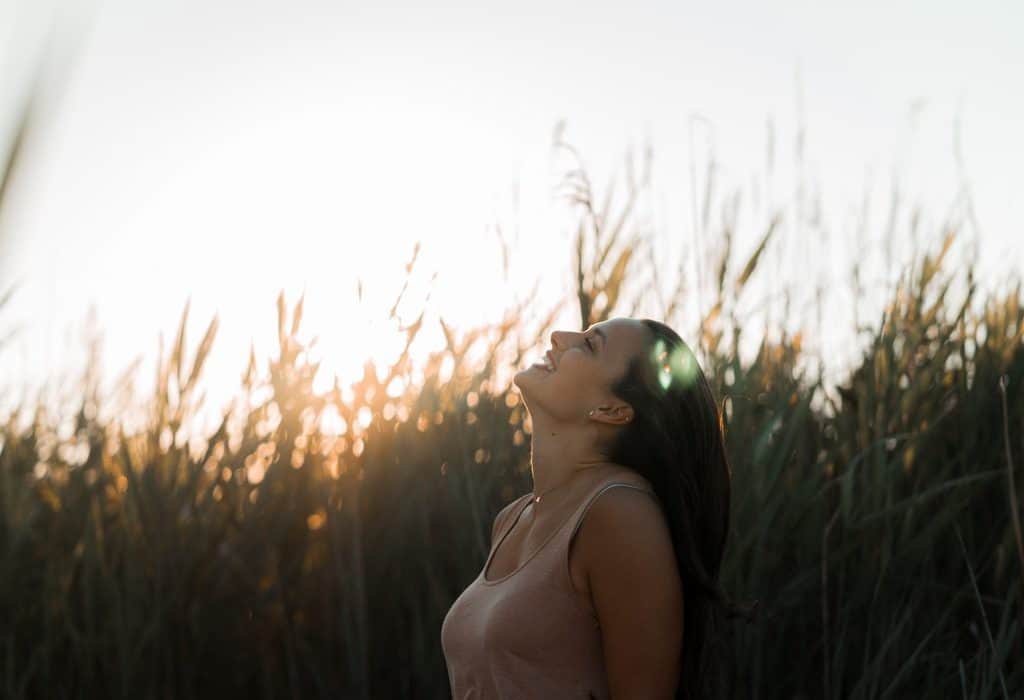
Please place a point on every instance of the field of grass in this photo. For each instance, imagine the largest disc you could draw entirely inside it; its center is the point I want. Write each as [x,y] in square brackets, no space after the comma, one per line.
[311,546]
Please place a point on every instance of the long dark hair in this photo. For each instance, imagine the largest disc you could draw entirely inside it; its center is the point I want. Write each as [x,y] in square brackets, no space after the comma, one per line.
[676,442]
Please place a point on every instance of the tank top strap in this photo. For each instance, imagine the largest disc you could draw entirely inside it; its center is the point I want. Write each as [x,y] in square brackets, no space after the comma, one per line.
[633,480]
[556,558]
[505,517]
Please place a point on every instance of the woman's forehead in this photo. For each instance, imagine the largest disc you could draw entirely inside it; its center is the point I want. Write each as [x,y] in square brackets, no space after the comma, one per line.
[626,334]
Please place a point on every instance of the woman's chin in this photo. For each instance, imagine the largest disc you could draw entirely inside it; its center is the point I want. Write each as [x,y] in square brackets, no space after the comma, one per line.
[525,376]
[518,377]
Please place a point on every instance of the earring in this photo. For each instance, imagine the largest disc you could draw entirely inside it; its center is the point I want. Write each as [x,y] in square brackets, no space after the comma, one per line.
[591,412]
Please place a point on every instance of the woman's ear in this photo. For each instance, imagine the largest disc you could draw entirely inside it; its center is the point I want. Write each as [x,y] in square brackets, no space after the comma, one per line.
[619,414]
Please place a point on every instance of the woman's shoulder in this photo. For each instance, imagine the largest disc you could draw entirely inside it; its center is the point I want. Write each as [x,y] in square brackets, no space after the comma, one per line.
[618,474]
[507,510]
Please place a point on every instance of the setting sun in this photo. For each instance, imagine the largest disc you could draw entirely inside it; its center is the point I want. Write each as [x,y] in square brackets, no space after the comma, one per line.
[392,350]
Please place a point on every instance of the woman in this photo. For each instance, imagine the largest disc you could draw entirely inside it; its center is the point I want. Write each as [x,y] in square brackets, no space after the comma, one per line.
[596,591]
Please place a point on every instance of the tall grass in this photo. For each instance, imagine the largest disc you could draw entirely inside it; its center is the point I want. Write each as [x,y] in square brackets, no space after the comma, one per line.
[311,545]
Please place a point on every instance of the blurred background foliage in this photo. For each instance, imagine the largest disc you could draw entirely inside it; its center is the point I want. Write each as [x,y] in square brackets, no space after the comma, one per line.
[312,544]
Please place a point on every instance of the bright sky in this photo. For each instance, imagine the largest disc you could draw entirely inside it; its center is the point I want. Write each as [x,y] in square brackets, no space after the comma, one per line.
[223,150]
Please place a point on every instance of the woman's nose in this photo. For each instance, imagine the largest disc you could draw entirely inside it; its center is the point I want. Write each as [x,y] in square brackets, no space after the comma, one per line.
[560,338]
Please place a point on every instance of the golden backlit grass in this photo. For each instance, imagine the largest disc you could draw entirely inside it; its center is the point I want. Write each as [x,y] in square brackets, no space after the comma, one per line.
[311,545]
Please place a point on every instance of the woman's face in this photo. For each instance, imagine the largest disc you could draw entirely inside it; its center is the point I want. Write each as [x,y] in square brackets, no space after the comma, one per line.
[586,364]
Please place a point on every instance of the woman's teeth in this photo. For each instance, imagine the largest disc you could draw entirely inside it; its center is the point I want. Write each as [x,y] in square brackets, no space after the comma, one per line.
[544,363]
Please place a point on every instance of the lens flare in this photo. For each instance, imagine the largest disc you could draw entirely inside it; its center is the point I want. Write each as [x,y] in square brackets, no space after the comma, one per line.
[676,367]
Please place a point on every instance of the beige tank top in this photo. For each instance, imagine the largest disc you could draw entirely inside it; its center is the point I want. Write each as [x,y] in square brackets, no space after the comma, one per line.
[527,634]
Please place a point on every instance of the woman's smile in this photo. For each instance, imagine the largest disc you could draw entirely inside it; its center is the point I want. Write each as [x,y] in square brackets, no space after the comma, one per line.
[545,364]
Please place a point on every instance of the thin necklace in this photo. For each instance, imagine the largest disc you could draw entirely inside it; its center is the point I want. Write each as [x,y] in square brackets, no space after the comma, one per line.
[536,498]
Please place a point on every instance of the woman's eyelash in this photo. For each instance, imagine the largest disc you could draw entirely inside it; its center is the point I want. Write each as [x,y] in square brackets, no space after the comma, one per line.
[589,344]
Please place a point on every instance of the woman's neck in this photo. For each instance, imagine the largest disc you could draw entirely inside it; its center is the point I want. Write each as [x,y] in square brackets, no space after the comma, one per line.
[559,452]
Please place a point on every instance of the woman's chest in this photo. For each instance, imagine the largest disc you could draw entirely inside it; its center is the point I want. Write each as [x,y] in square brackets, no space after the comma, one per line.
[561,562]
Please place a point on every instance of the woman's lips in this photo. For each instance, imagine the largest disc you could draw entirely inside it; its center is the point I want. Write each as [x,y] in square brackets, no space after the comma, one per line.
[545,364]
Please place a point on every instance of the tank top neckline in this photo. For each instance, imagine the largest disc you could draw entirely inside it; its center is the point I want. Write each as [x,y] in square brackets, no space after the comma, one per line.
[482,577]
[494,550]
